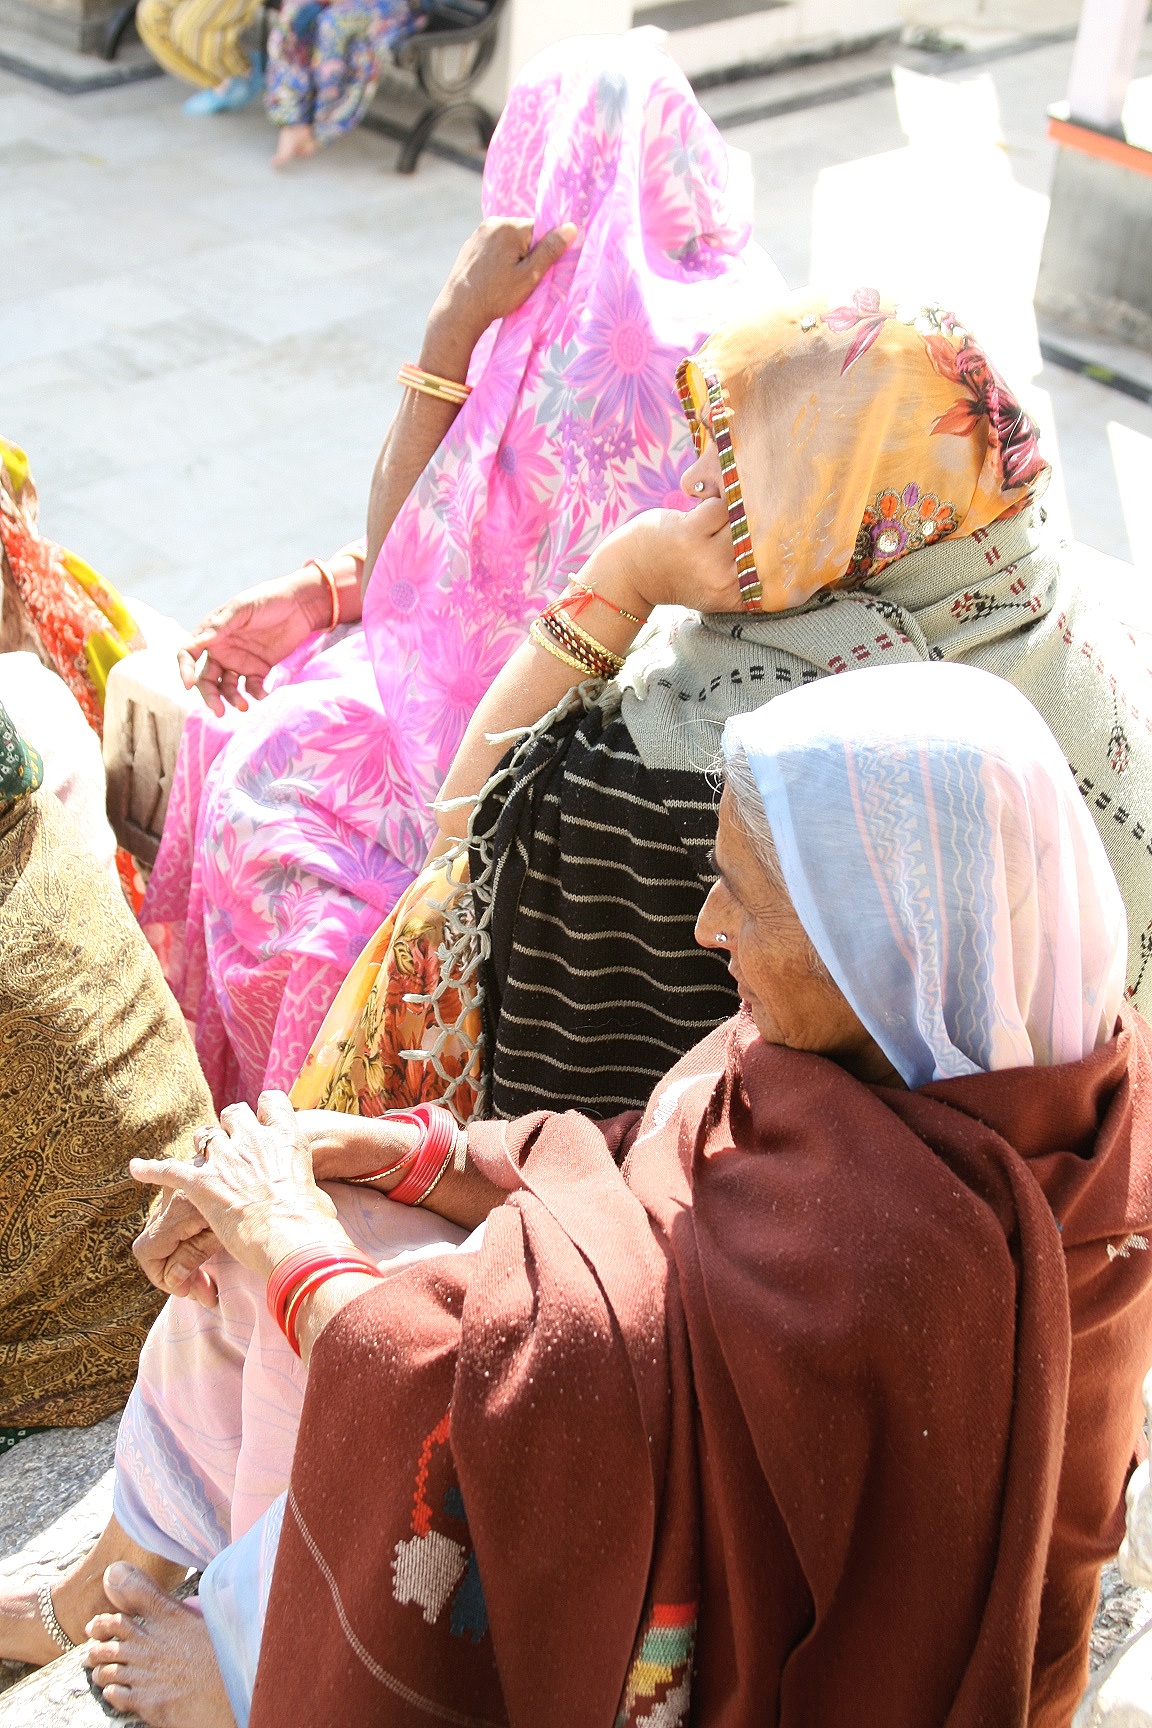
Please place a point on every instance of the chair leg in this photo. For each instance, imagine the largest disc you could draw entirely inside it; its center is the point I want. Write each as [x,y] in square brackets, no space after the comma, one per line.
[117,28]
[418,136]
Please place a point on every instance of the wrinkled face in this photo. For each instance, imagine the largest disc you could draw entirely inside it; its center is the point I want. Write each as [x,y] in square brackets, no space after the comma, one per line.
[750,919]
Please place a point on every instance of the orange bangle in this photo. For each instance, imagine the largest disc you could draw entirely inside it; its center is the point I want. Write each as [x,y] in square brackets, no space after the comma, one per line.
[333,590]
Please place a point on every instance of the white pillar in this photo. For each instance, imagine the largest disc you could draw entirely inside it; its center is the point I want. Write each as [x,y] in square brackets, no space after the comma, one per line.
[1107,44]
[536,24]
[530,25]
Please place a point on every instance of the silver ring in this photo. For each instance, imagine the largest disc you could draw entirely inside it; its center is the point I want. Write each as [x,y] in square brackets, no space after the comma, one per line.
[201,1140]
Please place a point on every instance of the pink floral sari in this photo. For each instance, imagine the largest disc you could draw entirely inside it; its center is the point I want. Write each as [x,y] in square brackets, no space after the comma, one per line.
[293,829]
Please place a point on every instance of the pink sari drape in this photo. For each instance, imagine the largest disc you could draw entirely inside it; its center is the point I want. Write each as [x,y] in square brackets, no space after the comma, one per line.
[293,829]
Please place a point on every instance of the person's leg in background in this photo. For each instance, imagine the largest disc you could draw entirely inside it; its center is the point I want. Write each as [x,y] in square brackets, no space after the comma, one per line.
[199,41]
[347,43]
[289,97]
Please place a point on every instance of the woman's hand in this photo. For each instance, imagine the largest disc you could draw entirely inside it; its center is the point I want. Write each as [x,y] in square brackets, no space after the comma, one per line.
[172,1249]
[496,270]
[253,632]
[669,558]
[255,1189]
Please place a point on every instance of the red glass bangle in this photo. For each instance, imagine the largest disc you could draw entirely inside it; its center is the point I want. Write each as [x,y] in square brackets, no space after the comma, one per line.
[438,1142]
[304,1271]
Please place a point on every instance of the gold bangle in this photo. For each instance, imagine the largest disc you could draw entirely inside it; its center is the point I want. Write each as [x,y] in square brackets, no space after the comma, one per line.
[428,384]
[543,640]
[333,590]
[578,641]
[449,1161]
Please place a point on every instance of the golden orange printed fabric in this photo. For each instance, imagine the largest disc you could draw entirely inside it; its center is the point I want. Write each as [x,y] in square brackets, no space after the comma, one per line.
[80,623]
[358,1062]
[861,432]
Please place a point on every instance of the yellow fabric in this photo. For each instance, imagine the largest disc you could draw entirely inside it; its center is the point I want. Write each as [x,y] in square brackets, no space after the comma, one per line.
[860,433]
[197,40]
[16,462]
[82,624]
[396,999]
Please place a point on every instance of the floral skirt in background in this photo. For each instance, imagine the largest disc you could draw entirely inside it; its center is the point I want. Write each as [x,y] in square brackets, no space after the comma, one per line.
[325,59]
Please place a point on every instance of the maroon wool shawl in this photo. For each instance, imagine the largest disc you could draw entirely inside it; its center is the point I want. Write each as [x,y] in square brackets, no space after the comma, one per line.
[776,1415]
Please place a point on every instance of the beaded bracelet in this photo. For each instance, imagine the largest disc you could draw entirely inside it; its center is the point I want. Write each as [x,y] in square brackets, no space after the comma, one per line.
[333,590]
[428,384]
[577,602]
[301,1273]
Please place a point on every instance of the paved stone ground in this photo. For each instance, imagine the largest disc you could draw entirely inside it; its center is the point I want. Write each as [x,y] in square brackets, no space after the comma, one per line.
[200,354]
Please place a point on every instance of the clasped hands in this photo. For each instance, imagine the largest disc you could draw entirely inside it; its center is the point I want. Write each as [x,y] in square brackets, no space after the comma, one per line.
[256,1193]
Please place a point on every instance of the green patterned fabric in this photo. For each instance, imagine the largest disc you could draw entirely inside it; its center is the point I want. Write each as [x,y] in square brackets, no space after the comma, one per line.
[21,769]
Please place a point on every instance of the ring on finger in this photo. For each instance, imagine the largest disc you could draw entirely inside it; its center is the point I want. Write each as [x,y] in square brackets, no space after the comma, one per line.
[201,1140]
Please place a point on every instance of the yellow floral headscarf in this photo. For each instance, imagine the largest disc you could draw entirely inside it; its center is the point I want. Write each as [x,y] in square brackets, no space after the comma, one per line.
[851,435]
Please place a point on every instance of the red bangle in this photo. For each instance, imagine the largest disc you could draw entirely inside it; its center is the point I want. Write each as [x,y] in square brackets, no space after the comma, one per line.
[435,1147]
[302,1272]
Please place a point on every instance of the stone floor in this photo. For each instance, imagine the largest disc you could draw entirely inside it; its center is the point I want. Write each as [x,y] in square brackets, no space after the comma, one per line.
[200,354]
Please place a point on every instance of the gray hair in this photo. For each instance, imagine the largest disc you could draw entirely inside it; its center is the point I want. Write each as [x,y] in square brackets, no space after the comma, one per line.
[734,772]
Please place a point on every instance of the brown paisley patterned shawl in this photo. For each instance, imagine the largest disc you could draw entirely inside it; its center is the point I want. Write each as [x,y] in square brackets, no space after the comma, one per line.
[96,1067]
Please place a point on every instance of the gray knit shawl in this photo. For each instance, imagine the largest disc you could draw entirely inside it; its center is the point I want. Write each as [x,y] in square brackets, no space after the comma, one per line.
[1006,599]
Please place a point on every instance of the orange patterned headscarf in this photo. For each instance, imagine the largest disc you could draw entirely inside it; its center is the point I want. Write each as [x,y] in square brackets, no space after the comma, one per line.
[851,435]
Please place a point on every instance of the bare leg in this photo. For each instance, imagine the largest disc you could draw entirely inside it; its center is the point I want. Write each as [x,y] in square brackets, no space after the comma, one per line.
[155,1657]
[295,142]
[77,1596]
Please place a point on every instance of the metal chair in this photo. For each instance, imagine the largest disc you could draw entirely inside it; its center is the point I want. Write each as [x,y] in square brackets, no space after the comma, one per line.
[449,57]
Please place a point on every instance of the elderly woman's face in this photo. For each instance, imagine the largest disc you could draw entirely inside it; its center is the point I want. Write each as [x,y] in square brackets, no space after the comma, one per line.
[750,919]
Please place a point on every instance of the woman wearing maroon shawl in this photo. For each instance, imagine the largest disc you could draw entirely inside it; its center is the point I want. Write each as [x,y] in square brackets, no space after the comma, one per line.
[805,1396]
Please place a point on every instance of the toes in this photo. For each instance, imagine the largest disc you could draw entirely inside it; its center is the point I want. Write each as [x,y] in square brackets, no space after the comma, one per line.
[105,1626]
[105,1674]
[100,1654]
[128,1588]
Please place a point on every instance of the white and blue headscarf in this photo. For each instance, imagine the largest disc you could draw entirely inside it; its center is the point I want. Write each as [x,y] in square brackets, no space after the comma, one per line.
[945,869]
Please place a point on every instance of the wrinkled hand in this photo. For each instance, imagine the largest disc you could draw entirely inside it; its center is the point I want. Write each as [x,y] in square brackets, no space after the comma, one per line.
[497,269]
[255,1190]
[250,634]
[669,558]
[172,1249]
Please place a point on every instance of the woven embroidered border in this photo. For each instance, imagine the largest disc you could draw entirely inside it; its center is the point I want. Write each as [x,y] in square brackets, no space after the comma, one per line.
[751,592]
[689,407]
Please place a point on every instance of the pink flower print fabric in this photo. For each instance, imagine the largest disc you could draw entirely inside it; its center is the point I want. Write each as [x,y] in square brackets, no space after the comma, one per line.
[573,425]
[294,828]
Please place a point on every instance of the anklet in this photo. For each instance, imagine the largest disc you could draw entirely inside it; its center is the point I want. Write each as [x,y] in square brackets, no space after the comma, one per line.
[48,1615]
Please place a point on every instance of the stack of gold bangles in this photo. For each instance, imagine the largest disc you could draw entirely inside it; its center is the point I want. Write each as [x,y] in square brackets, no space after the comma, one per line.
[428,384]
[564,639]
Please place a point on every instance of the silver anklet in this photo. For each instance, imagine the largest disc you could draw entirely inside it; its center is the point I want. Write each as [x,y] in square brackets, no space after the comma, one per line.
[48,1615]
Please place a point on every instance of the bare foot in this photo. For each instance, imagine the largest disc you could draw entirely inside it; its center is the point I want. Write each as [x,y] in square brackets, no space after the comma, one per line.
[76,1597]
[295,143]
[155,1658]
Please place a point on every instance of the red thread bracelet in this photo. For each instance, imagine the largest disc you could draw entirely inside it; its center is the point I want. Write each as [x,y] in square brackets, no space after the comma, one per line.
[302,1272]
[431,1155]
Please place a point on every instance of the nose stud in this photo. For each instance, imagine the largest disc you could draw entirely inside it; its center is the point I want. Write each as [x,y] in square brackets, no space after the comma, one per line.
[721,939]
[699,486]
